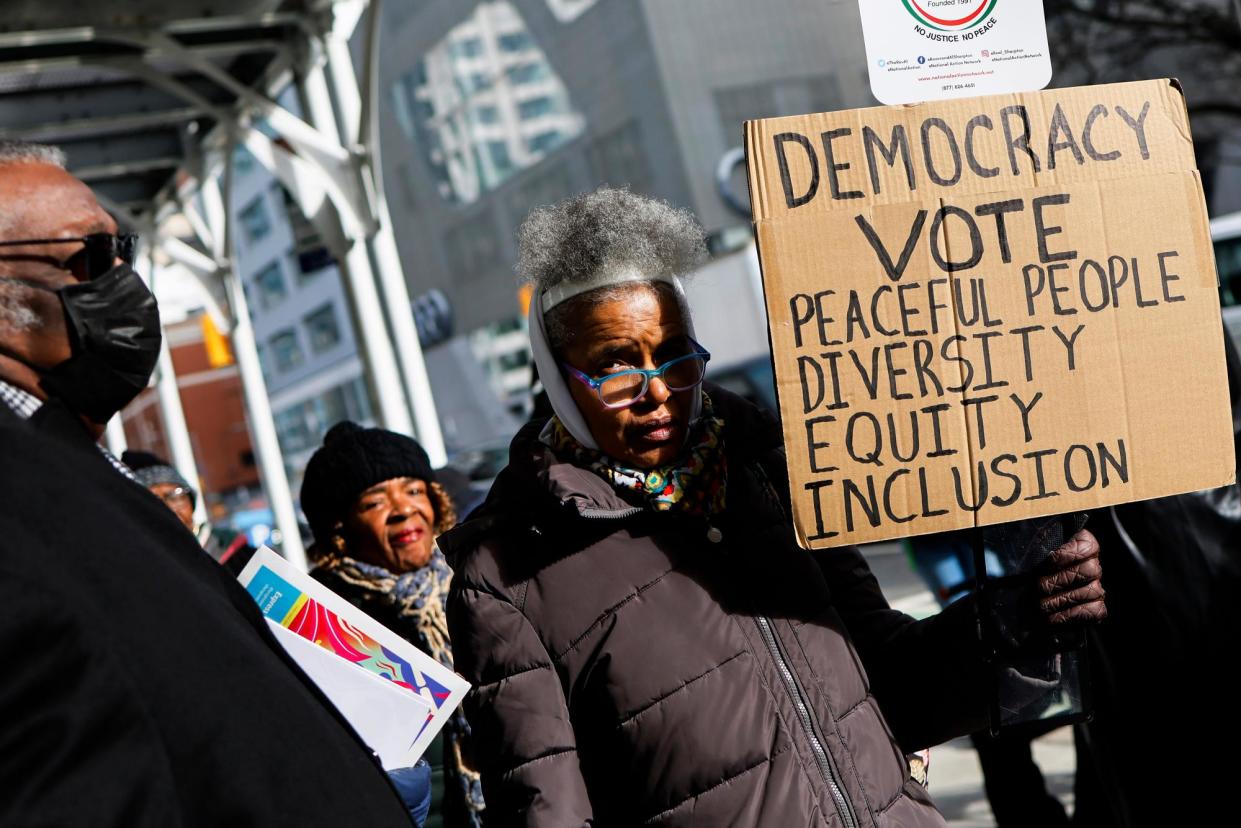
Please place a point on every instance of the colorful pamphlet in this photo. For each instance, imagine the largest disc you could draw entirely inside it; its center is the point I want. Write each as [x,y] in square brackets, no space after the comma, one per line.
[362,651]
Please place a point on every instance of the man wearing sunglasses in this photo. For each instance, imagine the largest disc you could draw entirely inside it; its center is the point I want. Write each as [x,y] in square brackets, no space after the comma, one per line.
[141,687]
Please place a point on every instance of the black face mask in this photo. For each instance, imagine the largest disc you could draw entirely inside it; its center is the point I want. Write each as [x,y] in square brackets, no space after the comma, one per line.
[114,336]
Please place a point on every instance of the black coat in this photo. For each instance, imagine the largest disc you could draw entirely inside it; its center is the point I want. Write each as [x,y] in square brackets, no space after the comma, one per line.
[141,687]
[637,668]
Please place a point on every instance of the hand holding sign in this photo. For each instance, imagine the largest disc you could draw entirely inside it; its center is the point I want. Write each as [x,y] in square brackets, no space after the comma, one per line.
[1072,588]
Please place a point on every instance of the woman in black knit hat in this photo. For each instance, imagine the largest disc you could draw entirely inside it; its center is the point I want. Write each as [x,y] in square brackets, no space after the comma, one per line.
[375,509]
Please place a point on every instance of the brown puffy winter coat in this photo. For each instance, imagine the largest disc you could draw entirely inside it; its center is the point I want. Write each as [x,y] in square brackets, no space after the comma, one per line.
[630,671]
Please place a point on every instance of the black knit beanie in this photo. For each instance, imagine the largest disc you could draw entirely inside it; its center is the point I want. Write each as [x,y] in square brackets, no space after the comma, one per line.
[152,470]
[351,460]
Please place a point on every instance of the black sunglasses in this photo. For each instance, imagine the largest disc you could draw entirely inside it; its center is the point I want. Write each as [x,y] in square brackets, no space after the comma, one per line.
[98,254]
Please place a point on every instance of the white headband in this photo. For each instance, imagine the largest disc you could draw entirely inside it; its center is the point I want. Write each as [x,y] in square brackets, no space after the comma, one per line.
[549,369]
[562,292]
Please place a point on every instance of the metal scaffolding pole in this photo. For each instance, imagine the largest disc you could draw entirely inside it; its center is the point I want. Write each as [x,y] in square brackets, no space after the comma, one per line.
[114,436]
[359,281]
[172,414]
[388,269]
[258,407]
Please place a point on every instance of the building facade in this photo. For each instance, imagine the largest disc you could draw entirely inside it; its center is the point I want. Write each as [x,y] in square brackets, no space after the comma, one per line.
[301,319]
[501,106]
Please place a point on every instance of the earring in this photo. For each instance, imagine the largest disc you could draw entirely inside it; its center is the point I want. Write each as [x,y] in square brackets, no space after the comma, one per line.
[338,543]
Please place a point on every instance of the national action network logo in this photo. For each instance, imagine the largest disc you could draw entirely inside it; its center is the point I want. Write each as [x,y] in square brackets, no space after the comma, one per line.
[966,14]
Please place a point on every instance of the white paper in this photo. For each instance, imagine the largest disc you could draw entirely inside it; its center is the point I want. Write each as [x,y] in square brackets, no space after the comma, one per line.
[387,717]
[304,607]
[927,50]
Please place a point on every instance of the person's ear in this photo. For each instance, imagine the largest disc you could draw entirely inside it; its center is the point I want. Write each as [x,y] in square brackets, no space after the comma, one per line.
[339,545]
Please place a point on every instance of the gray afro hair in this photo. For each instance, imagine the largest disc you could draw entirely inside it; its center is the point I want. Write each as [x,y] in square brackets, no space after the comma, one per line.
[609,229]
[14,152]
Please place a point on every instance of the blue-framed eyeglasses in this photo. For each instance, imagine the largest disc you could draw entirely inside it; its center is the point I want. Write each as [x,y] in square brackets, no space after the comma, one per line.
[624,388]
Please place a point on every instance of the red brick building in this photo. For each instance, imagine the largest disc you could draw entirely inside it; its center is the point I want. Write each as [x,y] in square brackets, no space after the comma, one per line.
[214,412]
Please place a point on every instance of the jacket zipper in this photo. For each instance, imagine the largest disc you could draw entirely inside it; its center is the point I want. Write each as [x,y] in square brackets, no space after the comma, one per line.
[809,726]
[609,514]
[822,757]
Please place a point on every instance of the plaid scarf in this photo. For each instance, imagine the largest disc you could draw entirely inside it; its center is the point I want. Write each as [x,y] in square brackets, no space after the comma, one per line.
[695,483]
[418,598]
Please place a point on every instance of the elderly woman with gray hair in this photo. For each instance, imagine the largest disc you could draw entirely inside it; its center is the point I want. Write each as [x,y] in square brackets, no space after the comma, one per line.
[649,644]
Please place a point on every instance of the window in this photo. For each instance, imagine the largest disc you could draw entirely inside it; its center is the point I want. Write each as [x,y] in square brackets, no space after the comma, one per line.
[545,141]
[270,285]
[302,426]
[535,107]
[513,360]
[255,222]
[458,111]
[292,430]
[285,350]
[500,157]
[322,328]
[357,400]
[515,42]
[471,48]
[527,72]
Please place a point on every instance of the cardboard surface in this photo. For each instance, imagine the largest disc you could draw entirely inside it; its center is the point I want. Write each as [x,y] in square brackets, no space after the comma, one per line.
[989,309]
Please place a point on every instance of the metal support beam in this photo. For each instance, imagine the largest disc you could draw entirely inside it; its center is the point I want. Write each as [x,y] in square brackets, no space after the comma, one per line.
[122,168]
[390,273]
[114,436]
[97,127]
[357,275]
[172,413]
[245,348]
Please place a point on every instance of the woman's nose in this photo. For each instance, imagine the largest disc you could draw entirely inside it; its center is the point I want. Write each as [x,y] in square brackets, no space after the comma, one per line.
[657,391]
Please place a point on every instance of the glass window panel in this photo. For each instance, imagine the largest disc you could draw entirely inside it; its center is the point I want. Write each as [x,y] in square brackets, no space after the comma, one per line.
[255,221]
[322,328]
[457,99]
[515,42]
[271,286]
[286,351]
[536,107]
[545,141]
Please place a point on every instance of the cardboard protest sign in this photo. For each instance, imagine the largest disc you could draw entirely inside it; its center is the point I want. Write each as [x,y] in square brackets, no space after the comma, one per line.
[989,309]
[400,730]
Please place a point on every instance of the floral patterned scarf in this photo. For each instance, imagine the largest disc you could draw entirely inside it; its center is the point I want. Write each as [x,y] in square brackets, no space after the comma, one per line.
[695,483]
